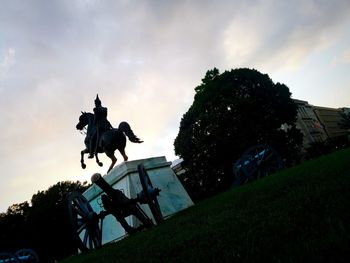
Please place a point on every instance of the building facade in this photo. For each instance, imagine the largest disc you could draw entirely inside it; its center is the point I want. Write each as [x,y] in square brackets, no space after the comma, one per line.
[309,124]
[331,120]
[319,124]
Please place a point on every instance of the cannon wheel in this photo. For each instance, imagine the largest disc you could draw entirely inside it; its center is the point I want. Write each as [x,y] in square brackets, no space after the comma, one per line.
[27,255]
[8,257]
[86,226]
[148,188]
[257,162]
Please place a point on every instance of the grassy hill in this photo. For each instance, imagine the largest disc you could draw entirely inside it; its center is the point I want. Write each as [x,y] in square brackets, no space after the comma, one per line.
[297,215]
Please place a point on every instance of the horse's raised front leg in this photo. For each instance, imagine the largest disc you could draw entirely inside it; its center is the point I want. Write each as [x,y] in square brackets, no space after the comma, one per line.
[83,165]
[113,158]
[97,160]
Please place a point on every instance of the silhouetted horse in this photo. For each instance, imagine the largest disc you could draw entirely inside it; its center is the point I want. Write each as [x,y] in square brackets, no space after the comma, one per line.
[108,141]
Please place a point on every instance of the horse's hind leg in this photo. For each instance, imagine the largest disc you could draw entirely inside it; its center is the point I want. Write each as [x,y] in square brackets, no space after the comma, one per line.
[122,151]
[113,158]
[83,165]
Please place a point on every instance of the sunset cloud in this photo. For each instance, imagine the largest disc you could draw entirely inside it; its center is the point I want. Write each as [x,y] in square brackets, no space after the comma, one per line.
[144,59]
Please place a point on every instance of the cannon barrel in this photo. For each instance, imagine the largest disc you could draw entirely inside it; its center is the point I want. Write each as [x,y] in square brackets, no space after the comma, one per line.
[115,194]
[101,182]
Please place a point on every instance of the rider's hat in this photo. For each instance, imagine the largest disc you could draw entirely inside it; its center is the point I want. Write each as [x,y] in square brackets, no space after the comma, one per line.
[97,101]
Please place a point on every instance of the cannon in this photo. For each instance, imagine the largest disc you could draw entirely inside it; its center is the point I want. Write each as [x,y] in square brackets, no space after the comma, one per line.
[87,224]
[24,255]
[256,162]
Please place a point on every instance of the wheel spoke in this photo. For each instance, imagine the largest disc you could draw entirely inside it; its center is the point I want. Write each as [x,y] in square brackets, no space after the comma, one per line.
[257,162]
[85,206]
[79,203]
[86,235]
[259,154]
[268,156]
[96,237]
[81,227]
[79,211]
[147,188]
[90,242]
[27,255]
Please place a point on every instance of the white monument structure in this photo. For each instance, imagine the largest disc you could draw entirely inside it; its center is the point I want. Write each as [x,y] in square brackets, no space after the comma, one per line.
[172,198]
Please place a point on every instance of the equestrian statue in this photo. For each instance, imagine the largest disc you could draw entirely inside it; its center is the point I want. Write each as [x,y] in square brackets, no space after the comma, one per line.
[102,137]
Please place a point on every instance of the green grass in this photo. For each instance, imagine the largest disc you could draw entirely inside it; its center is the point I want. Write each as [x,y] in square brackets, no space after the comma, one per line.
[297,215]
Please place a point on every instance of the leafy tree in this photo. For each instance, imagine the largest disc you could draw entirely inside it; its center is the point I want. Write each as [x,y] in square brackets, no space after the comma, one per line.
[49,220]
[43,226]
[231,112]
[13,227]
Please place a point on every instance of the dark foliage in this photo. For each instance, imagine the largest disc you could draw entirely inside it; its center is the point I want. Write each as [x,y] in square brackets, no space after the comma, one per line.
[317,149]
[42,226]
[13,227]
[231,112]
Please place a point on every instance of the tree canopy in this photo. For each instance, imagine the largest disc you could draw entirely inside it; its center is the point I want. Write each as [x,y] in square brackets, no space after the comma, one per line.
[42,225]
[231,112]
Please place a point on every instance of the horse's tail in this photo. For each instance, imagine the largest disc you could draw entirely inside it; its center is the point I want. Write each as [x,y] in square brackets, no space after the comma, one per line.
[125,128]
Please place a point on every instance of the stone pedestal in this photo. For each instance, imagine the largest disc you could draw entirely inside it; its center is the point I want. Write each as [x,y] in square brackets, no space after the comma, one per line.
[173,197]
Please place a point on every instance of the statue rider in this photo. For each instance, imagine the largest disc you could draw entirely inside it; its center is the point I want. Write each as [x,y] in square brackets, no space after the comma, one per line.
[100,125]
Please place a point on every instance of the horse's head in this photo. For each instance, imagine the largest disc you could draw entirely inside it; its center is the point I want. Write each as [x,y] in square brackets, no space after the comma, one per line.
[83,121]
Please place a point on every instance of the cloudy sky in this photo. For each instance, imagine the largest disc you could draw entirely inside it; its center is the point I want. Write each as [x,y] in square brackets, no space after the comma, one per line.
[144,59]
